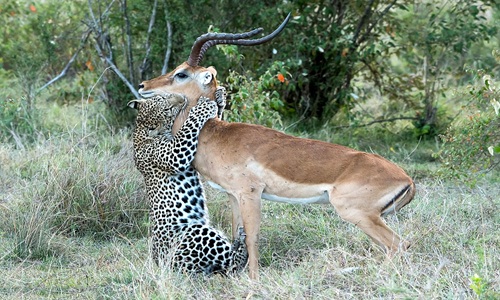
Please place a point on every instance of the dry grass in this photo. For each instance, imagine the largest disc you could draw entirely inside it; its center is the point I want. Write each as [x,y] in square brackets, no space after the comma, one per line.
[73,223]
[307,252]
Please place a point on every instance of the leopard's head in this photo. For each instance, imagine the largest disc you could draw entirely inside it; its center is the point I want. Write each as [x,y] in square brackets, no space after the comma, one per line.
[156,115]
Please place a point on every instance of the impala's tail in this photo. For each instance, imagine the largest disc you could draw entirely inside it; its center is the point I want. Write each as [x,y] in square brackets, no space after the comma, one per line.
[401,199]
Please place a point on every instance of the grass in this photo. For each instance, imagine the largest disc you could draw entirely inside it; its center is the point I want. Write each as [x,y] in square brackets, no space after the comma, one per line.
[73,223]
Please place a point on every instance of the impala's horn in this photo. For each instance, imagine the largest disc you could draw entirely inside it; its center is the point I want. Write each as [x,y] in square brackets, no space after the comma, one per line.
[208,40]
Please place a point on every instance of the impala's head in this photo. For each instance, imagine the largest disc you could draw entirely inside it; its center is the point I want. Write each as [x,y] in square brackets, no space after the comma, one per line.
[194,81]
[190,81]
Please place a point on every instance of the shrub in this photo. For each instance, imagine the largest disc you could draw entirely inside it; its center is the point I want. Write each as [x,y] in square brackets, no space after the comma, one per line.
[17,118]
[472,143]
[255,101]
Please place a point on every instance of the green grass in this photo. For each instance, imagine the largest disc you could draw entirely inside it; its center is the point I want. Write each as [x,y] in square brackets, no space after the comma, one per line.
[73,224]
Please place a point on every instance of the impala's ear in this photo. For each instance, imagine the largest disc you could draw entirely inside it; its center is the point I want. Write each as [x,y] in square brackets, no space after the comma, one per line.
[212,70]
[135,103]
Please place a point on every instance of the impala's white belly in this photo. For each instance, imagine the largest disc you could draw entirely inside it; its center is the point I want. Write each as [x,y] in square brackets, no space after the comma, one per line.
[321,198]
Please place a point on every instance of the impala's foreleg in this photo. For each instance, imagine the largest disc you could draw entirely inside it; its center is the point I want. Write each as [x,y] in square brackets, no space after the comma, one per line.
[247,212]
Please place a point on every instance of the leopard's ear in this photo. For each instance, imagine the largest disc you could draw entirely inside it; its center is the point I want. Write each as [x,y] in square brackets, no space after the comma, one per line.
[135,103]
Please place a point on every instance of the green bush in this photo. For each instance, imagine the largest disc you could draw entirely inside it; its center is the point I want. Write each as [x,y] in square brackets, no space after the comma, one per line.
[472,143]
[17,120]
[256,101]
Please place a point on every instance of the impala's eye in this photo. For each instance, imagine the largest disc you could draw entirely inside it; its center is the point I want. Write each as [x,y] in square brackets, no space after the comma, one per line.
[181,75]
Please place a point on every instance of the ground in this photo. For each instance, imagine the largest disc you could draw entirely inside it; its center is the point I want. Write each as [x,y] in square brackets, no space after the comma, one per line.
[307,252]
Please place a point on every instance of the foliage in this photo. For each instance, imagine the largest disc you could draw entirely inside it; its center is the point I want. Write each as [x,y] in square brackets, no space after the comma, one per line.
[432,42]
[16,118]
[482,288]
[328,48]
[472,143]
[256,101]
[338,55]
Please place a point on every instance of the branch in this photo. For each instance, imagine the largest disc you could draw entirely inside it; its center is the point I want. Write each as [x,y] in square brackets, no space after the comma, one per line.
[145,62]
[116,70]
[375,121]
[370,28]
[169,48]
[130,59]
[95,23]
[364,19]
[104,37]
[83,41]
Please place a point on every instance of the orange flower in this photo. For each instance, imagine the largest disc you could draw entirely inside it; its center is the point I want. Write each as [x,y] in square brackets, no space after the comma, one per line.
[33,8]
[281,78]
[89,65]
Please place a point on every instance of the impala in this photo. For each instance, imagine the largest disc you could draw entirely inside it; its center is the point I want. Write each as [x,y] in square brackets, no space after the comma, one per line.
[252,162]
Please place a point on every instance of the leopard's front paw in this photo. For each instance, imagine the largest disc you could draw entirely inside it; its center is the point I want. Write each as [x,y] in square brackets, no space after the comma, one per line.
[220,98]
[241,234]
[203,99]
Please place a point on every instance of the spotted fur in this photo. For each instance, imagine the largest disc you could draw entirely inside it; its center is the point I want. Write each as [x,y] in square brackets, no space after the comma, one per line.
[181,234]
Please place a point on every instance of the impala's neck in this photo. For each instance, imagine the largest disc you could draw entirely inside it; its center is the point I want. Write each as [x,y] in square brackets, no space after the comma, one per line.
[183,114]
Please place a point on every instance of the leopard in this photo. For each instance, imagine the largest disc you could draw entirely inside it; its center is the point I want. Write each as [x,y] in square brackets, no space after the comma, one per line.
[181,234]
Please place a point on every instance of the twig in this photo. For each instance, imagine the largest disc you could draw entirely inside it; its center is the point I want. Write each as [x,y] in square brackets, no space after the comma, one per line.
[17,139]
[144,66]
[83,41]
[130,58]
[104,37]
[169,39]
[169,48]
[374,122]
[116,70]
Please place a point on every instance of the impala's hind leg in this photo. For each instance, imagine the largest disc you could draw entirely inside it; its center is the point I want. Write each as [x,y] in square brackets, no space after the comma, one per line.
[369,220]
[380,233]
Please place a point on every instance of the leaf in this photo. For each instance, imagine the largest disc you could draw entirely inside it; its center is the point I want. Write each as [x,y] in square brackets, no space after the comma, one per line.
[496,106]
[491,150]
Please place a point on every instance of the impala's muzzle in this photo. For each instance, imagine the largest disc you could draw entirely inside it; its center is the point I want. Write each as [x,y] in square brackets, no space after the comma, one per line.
[146,94]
